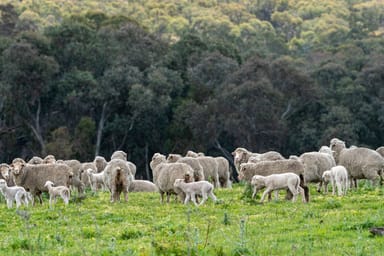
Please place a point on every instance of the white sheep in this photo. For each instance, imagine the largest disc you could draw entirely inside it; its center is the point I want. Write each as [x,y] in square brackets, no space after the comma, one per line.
[96,180]
[275,182]
[15,193]
[337,175]
[192,189]
[61,191]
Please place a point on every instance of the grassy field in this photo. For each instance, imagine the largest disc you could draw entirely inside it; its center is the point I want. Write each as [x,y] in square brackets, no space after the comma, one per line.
[236,225]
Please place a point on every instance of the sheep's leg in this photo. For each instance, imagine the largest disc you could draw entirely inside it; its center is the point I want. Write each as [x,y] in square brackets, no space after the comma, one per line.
[264,194]
[339,188]
[333,186]
[205,197]
[293,190]
[168,197]
[212,196]
[301,191]
[161,197]
[126,195]
[9,203]
[254,192]
[193,198]
[276,195]
[345,185]
[326,187]
[187,197]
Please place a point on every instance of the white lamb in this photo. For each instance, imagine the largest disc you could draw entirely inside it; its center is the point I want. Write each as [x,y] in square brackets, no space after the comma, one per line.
[15,193]
[96,180]
[61,191]
[337,175]
[276,182]
[192,189]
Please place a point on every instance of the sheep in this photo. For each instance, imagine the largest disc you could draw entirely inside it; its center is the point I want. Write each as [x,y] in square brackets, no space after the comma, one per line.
[315,163]
[49,159]
[192,189]
[380,150]
[54,192]
[84,175]
[36,160]
[267,156]
[242,155]
[15,193]
[165,174]
[265,168]
[100,163]
[96,180]
[119,154]
[33,176]
[117,178]
[275,182]
[5,171]
[326,149]
[76,183]
[361,163]
[198,173]
[210,167]
[75,165]
[337,175]
[142,186]
[223,172]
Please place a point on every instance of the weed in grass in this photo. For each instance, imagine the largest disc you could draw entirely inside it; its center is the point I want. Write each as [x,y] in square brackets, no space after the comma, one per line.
[226,220]
[241,248]
[332,204]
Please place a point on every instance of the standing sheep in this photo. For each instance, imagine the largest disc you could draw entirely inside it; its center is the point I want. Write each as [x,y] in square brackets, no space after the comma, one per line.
[241,155]
[84,175]
[117,178]
[223,172]
[33,176]
[15,193]
[210,167]
[192,189]
[198,173]
[361,163]
[337,175]
[265,168]
[100,163]
[54,192]
[275,182]
[96,180]
[119,154]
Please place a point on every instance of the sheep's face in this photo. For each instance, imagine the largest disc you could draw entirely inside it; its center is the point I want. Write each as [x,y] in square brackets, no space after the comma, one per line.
[48,183]
[3,183]
[258,182]
[243,169]
[16,167]
[172,158]
[5,169]
[177,182]
[327,176]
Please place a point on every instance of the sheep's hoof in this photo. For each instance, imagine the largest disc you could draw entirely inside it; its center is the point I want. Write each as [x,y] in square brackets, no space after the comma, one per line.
[377,231]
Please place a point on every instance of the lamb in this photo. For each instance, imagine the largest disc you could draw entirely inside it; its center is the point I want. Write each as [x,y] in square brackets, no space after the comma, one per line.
[210,167]
[315,163]
[15,193]
[165,174]
[100,163]
[36,160]
[84,175]
[192,189]
[142,186]
[54,192]
[33,176]
[96,180]
[117,178]
[49,159]
[265,168]
[198,173]
[337,175]
[5,171]
[275,182]
[361,163]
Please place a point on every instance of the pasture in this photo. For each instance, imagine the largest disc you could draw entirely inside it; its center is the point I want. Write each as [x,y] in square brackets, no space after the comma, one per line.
[236,225]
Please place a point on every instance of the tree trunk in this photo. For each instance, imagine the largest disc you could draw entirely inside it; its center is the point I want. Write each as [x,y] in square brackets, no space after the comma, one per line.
[100,129]
[36,129]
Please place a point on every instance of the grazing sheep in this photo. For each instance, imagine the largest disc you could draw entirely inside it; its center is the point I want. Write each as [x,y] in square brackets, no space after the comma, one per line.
[380,150]
[33,176]
[142,186]
[361,163]
[49,159]
[315,163]
[36,160]
[117,178]
[337,175]
[100,163]
[165,174]
[15,193]
[192,189]
[210,167]
[275,182]
[198,173]
[265,168]
[96,180]
[54,192]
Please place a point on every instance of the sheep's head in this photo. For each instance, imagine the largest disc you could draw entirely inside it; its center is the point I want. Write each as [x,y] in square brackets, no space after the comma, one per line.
[173,158]
[4,170]
[243,168]
[49,159]
[190,153]
[258,181]
[3,183]
[48,183]
[119,154]
[17,165]
[327,175]
[178,182]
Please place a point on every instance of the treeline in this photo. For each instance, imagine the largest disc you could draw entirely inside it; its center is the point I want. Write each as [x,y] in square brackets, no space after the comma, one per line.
[149,76]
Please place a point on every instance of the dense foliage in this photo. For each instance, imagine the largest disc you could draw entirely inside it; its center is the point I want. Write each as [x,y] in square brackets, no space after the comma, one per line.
[81,78]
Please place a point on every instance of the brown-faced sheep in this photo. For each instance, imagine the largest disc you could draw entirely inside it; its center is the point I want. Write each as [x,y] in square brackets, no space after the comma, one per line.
[265,168]
[142,186]
[165,174]
[33,176]
[361,163]
[117,178]
[210,167]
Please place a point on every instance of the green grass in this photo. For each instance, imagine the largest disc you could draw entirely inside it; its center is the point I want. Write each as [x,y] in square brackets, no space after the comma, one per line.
[236,225]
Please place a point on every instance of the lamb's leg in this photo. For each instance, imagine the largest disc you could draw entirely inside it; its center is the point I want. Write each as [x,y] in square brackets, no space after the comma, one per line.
[301,191]
[339,189]
[293,190]
[254,192]
[9,203]
[333,186]
[193,198]
[276,195]
[266,192]
[205,197]
[187,197]
[212,196]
